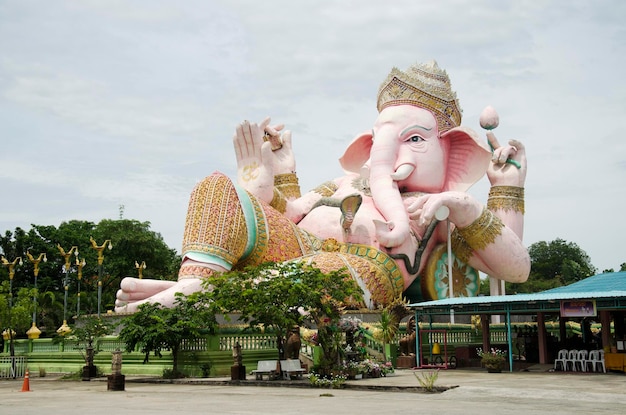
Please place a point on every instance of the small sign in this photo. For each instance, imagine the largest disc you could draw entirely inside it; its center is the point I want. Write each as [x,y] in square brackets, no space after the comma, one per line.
[578,308]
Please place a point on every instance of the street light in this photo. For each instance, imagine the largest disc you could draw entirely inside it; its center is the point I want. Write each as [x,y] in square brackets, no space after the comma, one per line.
[79,264]
[9,333]
[34,332]
[100,249]
[65,329]
[140,268]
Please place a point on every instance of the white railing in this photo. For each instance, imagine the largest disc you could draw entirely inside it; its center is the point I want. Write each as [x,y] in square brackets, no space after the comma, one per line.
[248,342]
[12,367]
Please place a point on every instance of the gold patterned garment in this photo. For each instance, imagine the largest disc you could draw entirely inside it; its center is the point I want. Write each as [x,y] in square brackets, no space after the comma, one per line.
[229,227]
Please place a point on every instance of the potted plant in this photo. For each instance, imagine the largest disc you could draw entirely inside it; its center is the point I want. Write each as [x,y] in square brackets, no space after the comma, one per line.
[493,359]
[387,369]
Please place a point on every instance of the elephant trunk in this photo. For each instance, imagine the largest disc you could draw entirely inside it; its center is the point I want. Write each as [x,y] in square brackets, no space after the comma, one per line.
[386,193]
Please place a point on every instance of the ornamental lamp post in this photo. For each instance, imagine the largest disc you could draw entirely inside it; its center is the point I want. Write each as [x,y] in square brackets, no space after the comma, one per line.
[79,264]
[34,332]
[100,250]
[140,268]
[9,333]
[65,329]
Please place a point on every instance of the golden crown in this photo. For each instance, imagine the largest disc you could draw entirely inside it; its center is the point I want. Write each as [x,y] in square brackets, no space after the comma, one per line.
[426,86]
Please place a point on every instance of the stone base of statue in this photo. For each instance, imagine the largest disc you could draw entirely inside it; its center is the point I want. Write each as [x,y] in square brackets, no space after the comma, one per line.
[116,382]
[406,362]
[237,372]
[90,371]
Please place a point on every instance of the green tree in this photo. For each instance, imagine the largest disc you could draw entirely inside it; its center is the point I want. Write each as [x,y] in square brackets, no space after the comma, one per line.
[554,264]
[389,322]
[154,328]
[132,241]
[283,295]
[622,268]
[19,316]
[484,288]
[84,336]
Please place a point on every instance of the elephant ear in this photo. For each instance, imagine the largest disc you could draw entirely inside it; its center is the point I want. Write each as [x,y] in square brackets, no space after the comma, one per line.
[357,153]
[468,158]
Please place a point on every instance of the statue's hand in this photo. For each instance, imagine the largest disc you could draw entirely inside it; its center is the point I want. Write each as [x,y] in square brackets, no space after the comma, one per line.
[463,209]
[282,152]
[508,163]
[255,170]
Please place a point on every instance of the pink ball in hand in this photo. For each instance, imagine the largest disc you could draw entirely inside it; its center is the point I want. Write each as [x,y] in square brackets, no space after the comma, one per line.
[489,118]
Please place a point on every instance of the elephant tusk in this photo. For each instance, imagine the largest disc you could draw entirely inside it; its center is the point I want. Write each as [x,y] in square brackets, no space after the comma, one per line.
[403,172]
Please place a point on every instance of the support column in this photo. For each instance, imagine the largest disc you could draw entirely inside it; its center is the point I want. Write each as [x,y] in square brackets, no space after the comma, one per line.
[496,287]
[484,320]
[509,341]
[542,338]
[562,332]
[605,320]
[418,345]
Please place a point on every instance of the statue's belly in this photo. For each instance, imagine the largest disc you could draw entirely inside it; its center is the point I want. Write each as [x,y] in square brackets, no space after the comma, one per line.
[325,222]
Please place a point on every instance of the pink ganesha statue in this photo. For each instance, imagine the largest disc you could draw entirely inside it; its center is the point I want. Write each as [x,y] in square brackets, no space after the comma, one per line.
[379,220]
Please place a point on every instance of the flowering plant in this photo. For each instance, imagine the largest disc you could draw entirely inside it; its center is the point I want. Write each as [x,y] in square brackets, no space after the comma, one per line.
[310,336]
[492,356]
[386,368]
[333,382]
[349,324]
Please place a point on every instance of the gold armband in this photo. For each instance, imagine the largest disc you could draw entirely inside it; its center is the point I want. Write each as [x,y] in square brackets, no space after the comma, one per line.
[278,201]
[194,271]
[326,189]
[483,231]
[460,247]
[506,198]
[288,185]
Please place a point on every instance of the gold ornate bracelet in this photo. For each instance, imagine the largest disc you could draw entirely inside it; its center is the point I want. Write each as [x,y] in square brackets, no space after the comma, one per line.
[483,231]
[194,271]
[326,189]
[506,198]
[288,185]
[460,247]
[278,201]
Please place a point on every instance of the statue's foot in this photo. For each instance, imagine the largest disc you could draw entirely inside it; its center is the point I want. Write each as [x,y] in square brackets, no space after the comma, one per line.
[135,292]
[134,289]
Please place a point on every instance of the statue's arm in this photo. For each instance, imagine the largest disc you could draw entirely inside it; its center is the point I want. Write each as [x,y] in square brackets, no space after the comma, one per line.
[480,238]
[266,168]
[505,214]
[507,175]
[287,198]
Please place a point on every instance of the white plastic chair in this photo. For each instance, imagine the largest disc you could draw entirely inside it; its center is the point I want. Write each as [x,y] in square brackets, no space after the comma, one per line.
[590,363]
[571,359]
[599,362]
[581,358]
[560,360]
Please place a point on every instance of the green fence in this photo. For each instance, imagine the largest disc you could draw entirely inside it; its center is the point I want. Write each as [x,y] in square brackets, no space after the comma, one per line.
[207,356]
[212,355]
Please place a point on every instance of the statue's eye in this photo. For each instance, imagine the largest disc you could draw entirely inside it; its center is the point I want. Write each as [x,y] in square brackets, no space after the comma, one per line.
[416,139]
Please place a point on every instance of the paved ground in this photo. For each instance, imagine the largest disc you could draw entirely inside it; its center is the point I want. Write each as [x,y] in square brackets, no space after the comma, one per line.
[473,391]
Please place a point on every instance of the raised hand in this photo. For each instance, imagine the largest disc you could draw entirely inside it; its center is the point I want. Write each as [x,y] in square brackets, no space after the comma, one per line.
[255,170]
[283,160]
[508,163]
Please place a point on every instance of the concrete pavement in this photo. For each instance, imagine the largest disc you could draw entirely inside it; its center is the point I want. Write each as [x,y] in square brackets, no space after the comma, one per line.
[471,391]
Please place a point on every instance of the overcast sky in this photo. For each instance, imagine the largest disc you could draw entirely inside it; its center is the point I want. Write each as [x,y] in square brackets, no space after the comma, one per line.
[110,103]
